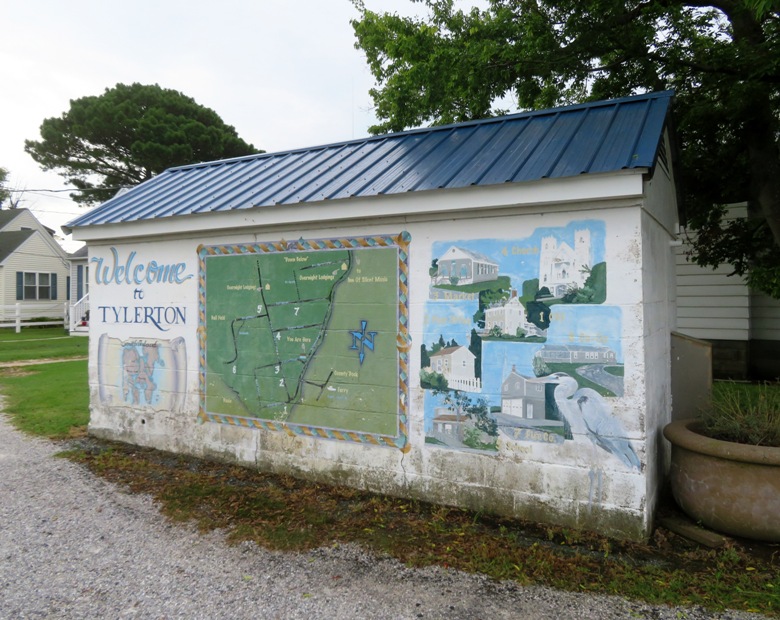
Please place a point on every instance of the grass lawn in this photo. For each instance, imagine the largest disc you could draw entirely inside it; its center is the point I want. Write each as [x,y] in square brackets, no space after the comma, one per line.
[40,342]
[49,400]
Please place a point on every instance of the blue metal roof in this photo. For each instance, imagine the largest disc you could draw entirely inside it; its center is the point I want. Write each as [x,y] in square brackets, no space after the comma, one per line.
[604,136]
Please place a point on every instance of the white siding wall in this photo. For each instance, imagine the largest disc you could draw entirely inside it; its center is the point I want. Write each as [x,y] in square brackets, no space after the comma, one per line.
[711,304]
[24,219]
[35,255]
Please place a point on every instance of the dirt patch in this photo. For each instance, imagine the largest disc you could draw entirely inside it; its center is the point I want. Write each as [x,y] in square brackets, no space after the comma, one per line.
[48,360]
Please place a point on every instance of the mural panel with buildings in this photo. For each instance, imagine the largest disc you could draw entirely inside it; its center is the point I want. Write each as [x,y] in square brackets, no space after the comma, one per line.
[519,345]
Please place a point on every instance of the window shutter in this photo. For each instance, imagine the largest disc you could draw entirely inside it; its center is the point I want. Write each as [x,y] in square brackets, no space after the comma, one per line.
[67,288]
[19,286]
[54,286]
[79,282]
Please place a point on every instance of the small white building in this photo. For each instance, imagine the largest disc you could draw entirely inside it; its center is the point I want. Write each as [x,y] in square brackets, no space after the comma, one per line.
[279,302]
[461,266]
[508,316]
[456,364]
[577,354]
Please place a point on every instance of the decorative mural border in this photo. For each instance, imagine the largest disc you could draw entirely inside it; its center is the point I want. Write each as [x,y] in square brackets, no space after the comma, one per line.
[403,339]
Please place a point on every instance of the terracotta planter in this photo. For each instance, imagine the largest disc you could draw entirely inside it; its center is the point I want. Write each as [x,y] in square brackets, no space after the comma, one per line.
[729,487]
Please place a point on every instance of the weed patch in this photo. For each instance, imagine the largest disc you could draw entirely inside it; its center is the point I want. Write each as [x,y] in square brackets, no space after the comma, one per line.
[282,513]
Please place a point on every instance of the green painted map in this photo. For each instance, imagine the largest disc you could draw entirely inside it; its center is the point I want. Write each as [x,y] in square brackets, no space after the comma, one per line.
[302,338]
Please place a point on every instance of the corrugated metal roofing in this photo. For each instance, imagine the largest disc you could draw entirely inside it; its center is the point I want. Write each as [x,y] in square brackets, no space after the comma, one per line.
[590,138]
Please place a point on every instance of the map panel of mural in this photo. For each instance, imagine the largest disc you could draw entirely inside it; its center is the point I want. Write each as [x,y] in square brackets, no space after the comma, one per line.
[307,337]
[142,372]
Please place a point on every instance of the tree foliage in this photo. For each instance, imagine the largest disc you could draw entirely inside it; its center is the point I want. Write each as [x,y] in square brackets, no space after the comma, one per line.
[4,193]
[127,135]
[721,57]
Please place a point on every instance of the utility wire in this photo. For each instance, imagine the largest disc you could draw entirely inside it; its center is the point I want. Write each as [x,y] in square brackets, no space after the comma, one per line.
[71,189]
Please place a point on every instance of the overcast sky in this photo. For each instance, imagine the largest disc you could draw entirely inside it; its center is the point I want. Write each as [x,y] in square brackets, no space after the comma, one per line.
[284,73]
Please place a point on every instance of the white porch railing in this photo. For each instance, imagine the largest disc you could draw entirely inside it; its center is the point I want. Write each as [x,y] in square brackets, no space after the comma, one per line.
[79,313]
[25,314]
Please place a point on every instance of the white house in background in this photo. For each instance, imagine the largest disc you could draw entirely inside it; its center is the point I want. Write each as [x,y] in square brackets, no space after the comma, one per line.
[33,266]
[79,291]
[456,364]
[743,326]
[460,266]
[561,266]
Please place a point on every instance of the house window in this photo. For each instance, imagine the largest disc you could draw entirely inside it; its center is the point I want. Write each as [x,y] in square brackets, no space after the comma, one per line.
[34,286]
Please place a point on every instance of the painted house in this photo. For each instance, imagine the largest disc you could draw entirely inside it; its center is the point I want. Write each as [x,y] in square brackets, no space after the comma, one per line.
[456,364]
[577,354]
[460,266]
[509,317]
[269,309]
[33,266]
[523,397]
[448,425]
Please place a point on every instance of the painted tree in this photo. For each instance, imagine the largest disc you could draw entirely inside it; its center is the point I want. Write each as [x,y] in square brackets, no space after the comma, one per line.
[129,134]
[721,57]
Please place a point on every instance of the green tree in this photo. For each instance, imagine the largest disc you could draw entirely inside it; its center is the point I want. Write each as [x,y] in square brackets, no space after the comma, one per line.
[722,58]
[425,359]
[4,192]
[127,135]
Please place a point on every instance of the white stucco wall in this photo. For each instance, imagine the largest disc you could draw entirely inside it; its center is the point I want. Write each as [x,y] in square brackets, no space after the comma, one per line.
[535,473]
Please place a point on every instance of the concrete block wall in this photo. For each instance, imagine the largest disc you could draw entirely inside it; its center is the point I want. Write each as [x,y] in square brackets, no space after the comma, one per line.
[515,443]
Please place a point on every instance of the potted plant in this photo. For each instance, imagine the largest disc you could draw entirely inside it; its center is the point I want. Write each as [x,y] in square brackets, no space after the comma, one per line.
[725,469]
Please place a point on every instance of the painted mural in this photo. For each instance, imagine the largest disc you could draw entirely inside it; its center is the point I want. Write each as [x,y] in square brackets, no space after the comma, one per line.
[142,373]
[519,345]
[307,337]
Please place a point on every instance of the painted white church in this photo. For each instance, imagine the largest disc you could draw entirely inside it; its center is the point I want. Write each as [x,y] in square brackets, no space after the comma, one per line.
[561,266]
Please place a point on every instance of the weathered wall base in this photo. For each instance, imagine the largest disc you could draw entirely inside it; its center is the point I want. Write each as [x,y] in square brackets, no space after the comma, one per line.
[530,492]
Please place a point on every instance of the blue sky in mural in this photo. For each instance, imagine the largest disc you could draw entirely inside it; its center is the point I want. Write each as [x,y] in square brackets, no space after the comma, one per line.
[450,319]
[519,257]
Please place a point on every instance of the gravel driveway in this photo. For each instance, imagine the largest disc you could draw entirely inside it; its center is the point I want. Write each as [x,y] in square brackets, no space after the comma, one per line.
[74,546]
